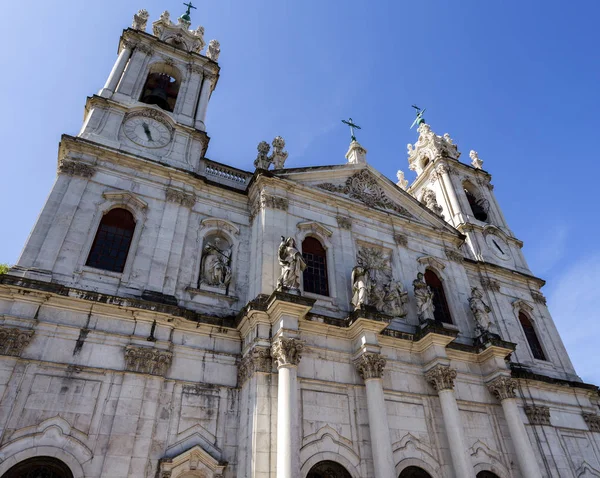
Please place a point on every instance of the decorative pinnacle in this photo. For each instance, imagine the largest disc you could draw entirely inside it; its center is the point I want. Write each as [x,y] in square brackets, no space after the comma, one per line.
[352,126]
[419,120]
[186,15]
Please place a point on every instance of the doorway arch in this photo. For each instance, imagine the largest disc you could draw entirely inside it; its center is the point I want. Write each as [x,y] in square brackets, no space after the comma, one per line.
[486,474]
[414,472]
[39,466]
[328,469]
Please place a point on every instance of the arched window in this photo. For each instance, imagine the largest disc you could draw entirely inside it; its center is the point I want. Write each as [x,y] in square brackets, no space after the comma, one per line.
[442,311]
[531,336]
[479,207]
[486,474]
[112,241]
[39,466]
[328,469]
[414,472]
[161,87]
[315,274]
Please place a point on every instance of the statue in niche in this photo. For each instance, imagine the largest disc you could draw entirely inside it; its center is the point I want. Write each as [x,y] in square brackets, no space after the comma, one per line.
[215,267]
[481,311]
[292,265]
[360,286]
[424,298]
[396,298]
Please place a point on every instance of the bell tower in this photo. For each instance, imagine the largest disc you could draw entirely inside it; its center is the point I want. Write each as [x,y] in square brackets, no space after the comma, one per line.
[463,195]
[155,99]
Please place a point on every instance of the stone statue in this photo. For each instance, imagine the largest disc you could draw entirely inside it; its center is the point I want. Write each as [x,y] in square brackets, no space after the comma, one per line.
[402,183]
[165,17]
[430,201]
[215,268]
[480,310]
[262,161]
[424,298]
[292,264]
[214,50]
[140,20]
[396,297]
[279,155]
[361,284]
[475,161]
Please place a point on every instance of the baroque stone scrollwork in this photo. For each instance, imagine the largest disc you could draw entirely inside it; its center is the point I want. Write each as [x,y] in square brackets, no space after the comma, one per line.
[430,201]
[147,360]
[256,360]
[287,351]
[73,168]
[363,186]
[490,284]
[481,311]
[292,265]
[180,197]
[592,421]
[424,298]
[538,297]
[370,365]
[214,50]
[179,35]
[13,341]
[277,158]
[441,377]
[140,20]
[374,285]
[503,388]
[430,147]
[538,415]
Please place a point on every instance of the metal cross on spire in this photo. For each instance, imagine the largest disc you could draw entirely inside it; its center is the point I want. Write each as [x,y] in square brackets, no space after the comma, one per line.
[419,120]
[186,15]
[352,126]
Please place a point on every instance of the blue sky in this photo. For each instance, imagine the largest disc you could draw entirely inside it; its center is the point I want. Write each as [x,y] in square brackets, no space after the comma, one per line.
[516,81]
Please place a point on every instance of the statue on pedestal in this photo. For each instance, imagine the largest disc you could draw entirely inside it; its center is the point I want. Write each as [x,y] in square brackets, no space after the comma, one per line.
[424,298]
[361,284]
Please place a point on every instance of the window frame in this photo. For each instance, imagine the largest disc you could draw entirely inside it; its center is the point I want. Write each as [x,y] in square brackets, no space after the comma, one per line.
[444,295]
[155,66]
[120,248]
[527,316]
[326,269]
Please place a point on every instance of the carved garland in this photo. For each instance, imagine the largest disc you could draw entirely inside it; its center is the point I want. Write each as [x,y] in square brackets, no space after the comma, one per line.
[286,351]
[257,360]
[13,341]
[147,360]
[441,377]
[370,365]
[503,388]
[73,168]
[364,187]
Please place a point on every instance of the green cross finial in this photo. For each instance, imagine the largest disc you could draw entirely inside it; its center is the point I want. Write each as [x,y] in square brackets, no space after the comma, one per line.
[419,120]
[186,15]
[352,126]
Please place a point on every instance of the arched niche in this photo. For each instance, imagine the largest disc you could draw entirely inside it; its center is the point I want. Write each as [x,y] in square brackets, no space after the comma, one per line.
[162,85]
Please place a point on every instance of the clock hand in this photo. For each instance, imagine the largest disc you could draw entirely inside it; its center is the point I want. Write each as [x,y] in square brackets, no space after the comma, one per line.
[147,131]
[498,246]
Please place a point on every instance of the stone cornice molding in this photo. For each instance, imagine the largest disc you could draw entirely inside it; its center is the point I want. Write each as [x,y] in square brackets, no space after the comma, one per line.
[13,340]
[147,360]
[287,351]
[592,421]
[370,365]
[256,360]
[441,377]
[538,415]
[179,197]
[221,224]
[73,168]
[503,388]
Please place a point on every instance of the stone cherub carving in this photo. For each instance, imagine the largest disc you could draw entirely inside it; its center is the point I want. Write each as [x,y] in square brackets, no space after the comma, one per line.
[480,310]
[140,20]
[360,286]
[292,265]
[424,298]
[214,50]
[165,17]
[215,268]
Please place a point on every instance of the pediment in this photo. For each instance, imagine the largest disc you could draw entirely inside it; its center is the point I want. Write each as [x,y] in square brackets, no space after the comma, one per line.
[367,186]
[195,460]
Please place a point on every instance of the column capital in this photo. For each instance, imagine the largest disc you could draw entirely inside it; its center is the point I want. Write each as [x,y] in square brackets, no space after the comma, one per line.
[441,377]
[256,360]
[370,365]
[538,415]
[287,351]
[503,388]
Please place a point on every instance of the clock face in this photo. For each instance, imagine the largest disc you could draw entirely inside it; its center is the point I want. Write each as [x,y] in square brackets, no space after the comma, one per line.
[498,246]
[147,132]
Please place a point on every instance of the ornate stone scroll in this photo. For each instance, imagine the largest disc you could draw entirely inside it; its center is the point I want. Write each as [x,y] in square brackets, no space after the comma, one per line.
[364,187]
[146,360]
[370,365]
[73,168]
[256,360]
[503,388]
[538,415]
[593,421]
[441,377]
[538,297]
[490,284]
[180,197]
[287,351]
[13,341]
[264,201]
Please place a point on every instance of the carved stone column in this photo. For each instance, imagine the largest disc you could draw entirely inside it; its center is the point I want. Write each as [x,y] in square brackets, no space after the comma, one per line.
[370,367]
[207,85]
[287,353]
[441,378]
[503,388]
[118,69]
[443,171]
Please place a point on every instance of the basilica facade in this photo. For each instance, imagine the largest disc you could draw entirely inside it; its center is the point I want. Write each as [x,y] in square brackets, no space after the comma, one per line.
[174,317]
